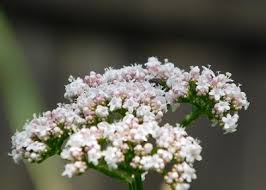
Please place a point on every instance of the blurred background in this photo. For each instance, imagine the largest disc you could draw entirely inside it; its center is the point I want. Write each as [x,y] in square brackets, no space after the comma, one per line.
[43,42]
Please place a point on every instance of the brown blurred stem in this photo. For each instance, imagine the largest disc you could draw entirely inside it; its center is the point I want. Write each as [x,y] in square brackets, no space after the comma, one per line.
[21,100]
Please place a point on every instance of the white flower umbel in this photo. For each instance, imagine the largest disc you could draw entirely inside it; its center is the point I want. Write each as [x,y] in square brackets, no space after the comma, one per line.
[112,122]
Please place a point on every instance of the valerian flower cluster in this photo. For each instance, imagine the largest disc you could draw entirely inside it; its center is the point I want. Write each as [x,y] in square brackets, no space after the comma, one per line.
[112,122]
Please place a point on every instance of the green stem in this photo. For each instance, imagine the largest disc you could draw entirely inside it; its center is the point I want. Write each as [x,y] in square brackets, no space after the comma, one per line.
[196,113]
[117,174]
[130,186]
[136,183]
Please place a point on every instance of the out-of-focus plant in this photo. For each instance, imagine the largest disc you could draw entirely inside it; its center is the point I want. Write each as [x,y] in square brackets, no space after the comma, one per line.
[112,122]
[21,99]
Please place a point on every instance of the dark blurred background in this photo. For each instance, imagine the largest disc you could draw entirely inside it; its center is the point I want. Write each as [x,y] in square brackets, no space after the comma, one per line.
[43,42]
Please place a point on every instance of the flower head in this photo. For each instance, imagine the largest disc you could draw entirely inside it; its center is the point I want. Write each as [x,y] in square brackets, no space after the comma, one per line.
[113,121]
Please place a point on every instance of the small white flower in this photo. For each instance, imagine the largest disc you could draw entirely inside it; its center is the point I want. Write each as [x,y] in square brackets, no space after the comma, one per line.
[222,106]
[130,104]
[165,155]
[144,111]
[115,103]
[190,150]
[102,111]
[216,93]
[188,172]
[202,85]
[148,148]
[112,156]
[94,155]
[74,168]
[230,123]
[75,88]
[70,170]
[182,186]
[194,72]
[152,62]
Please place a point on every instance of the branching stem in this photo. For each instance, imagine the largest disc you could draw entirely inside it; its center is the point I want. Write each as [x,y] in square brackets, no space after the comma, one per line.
[117,174]
[192,116]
